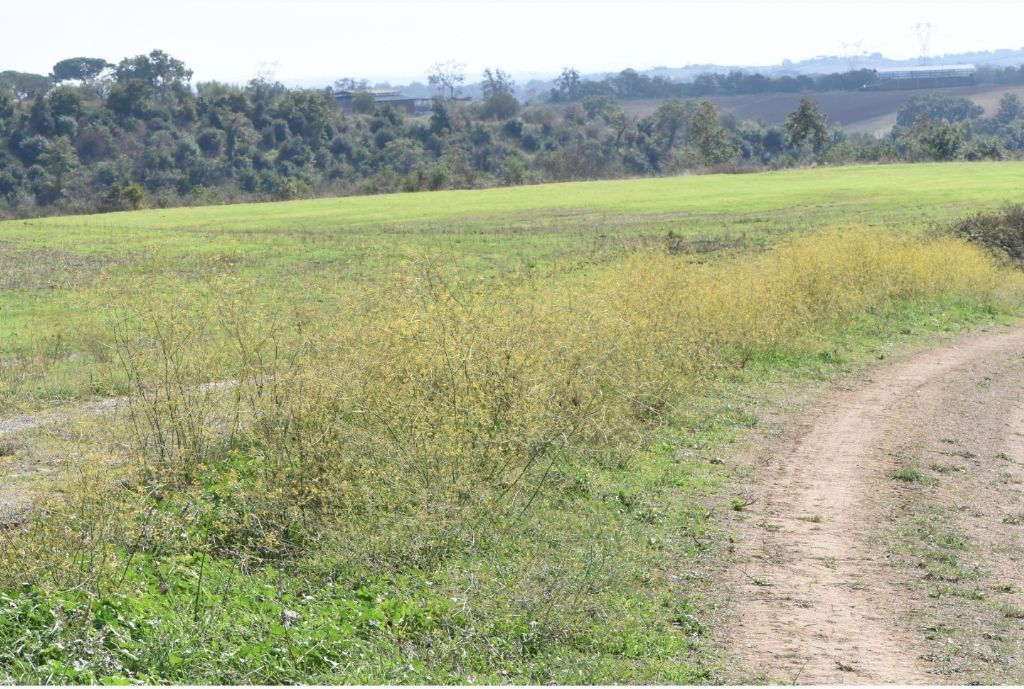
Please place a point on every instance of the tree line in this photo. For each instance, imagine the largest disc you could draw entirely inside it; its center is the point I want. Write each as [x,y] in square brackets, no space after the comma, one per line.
[98,136]
[631,85]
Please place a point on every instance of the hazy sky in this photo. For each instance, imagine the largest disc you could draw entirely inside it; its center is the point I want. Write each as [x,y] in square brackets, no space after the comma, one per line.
[310,41]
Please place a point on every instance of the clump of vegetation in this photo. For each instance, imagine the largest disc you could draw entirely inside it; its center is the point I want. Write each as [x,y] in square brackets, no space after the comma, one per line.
[910,474]
[451,480]
[1016,518]
[1001,232]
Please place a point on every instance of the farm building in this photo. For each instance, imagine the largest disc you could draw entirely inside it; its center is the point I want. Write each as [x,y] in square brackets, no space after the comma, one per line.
[392,97]
[938,76]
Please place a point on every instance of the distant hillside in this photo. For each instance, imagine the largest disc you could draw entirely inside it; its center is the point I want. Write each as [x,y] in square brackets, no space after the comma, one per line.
[835,63]
[872,112]
[830,64]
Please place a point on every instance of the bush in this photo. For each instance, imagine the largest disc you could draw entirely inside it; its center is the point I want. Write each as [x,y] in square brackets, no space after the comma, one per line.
[1001,232]
[131,196]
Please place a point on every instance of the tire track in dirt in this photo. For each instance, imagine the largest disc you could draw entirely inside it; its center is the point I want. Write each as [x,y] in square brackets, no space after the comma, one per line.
[816,600]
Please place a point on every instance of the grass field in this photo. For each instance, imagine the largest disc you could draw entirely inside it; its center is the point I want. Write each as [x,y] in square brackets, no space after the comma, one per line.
[304,253]
[464,436]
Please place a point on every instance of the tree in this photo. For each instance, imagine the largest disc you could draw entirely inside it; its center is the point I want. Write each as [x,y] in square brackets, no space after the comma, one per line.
[670,119]
[496,81]
[130,99]
[125,196]
[936,140]
[309,114]
[500,105]
[350,84]
[210,141]
[807,123]
[158,69]
[6,110]
[937,107]
[1010,108]
[60,159]
[447,77]
[362,103]
[40,117]
[440,120]
[66,102]
[567,86]
[81,69]
[24,85]
[713,142]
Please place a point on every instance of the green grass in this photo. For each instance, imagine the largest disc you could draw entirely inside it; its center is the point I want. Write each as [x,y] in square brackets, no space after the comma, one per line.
[304,254]
[873,195]
[910,474]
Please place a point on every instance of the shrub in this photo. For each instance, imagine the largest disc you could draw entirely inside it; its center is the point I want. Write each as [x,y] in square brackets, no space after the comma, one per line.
[130,196]
[1001,232]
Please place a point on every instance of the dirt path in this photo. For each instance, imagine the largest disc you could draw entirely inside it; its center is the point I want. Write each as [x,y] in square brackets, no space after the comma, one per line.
[818,602]
[24,460]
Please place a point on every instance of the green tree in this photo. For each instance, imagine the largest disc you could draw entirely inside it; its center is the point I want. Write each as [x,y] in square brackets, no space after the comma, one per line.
[210,141]
[807,123]
[440,119]
[936,140]
[80,68]
[671,119]
[158,69]
[712,142]
[937,107]
[6,110]
[125,196]
[24,85]
[1010,108]
[309,114]
[131,98]
[351,84]
[496,81]
[597,106]
[362,103]
[59,160]
[40,117]
[500,105]
[567,86]
[66,102]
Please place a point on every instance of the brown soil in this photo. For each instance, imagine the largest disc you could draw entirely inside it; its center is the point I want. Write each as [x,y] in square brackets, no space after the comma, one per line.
[847,108]
[818,600]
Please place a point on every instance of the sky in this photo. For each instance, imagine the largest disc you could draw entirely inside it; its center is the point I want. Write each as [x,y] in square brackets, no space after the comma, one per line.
[311,42]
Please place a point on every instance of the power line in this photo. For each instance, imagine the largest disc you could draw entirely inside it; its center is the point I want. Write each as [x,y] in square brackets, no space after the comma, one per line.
[924,31]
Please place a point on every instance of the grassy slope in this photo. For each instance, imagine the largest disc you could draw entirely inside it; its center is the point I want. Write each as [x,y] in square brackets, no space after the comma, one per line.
[827,195]
[298,247]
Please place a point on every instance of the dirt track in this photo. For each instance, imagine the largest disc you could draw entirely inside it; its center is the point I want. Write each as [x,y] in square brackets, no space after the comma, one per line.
[817,600]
